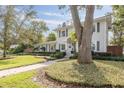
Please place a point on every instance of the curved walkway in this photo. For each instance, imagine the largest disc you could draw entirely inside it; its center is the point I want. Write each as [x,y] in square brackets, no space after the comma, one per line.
[26,68]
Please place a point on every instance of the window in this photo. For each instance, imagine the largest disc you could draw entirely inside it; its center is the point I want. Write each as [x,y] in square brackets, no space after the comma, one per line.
[63,46]
[63,33]
[98,45]
[93,47]
[98,27]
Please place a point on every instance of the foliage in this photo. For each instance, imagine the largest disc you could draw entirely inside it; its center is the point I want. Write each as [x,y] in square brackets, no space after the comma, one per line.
[20,61]
[58,55]
[55,55]
[102,56]
[111,58]
[43,53]
[118,25]
[73,37]
[19,25]
[97,74]
[22,80]
[20,49]
[51,37]
[33,34]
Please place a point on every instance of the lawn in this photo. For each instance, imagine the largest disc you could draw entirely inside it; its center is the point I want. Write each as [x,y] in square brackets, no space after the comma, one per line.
[21,80]
[20,61]
[97,74]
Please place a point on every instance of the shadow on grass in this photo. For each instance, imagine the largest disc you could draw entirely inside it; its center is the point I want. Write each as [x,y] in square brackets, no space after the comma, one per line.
[4,62]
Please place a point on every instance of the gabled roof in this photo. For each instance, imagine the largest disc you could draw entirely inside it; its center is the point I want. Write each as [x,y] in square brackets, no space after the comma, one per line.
[95,20]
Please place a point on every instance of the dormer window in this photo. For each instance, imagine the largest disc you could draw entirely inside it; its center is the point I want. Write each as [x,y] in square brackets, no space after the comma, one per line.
[64,24]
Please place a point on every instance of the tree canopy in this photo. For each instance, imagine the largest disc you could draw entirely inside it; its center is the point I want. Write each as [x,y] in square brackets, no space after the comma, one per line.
[51,37]
[18,26]
[118,25]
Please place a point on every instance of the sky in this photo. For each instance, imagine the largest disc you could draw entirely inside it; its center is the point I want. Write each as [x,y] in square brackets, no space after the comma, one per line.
[53,16]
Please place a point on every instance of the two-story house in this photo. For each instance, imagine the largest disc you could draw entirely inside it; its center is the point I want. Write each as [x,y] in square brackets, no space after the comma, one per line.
[63,43]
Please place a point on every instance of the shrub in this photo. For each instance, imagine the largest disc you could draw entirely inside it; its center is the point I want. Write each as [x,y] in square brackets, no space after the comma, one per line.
[112,58]
[19,49]
[58,55]
[43,53]
[51,54]
[101,54]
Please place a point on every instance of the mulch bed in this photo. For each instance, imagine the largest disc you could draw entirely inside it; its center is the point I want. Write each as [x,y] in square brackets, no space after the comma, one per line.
[46,81]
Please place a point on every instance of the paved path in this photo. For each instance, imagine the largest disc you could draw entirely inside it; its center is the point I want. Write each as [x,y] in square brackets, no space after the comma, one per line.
[26,68]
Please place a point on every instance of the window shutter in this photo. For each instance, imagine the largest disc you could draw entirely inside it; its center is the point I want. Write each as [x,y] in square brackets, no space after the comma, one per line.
[98,27]
[98,45]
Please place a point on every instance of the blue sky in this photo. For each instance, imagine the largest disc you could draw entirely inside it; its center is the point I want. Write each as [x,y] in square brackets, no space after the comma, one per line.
[53,16]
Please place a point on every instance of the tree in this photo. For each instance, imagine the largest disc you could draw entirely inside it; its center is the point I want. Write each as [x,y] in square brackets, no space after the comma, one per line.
[73,40]
[33,33]
[51,37]
[6,21]
[83,33]
[118,25]
[17,26]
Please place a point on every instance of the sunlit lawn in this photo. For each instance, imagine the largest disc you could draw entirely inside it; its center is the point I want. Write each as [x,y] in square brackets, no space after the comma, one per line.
[21,80]
[20,61]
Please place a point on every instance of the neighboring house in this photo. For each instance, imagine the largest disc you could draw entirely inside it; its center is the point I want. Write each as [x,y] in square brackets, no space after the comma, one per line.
[14,46]
[99,39]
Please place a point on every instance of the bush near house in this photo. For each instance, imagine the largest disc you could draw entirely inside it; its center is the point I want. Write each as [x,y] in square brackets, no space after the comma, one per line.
[56,55]
[112,58]
[43,53]
[102,56]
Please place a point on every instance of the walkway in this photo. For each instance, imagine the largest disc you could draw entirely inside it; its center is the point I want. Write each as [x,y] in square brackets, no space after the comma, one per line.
[26,68]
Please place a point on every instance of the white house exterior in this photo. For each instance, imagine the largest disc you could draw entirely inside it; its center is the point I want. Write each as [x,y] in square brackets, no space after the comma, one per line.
[63,43]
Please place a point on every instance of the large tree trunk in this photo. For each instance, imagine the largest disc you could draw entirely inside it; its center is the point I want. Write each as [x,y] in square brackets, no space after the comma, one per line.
[85,48]
[84,35]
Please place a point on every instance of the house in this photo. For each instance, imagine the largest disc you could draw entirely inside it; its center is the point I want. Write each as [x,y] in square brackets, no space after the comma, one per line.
[14,46]
[99,39]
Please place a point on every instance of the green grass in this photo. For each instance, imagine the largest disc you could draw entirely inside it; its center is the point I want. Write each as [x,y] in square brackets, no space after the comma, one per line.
[21,80]
[19,61]
[97,74]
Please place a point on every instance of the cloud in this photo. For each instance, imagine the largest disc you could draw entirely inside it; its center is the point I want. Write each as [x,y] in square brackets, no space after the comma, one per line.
[50,22]
[52,14]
